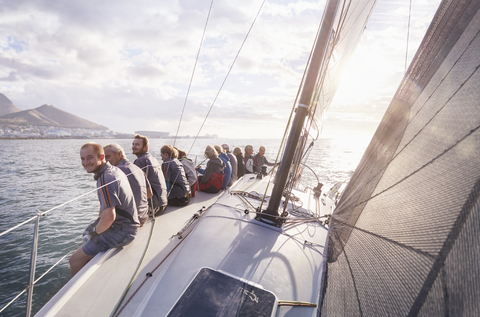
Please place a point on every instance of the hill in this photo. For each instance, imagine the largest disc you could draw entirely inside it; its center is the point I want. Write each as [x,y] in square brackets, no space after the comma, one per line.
[47,116]
[7,106]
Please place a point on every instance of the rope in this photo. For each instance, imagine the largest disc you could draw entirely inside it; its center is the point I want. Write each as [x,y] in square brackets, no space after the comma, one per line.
[408,34]
[151,273]
[193,73]
[138,268]
[283,143]
[36,281]
[228,73]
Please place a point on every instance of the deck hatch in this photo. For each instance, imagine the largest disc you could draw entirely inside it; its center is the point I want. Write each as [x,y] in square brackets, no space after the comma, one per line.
[213,293]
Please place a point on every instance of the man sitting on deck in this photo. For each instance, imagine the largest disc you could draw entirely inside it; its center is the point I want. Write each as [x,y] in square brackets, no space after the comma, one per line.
[115,155]
[118,223]
[259,160]
[248,159]
[150,166]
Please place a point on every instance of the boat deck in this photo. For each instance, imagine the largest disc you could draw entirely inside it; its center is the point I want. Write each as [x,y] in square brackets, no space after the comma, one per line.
[110,272]
[282,260]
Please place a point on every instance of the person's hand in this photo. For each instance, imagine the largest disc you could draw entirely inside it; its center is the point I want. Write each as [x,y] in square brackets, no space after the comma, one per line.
[89,232]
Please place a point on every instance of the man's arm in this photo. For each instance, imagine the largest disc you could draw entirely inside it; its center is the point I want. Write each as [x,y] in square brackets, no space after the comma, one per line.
[268,163]
[107,217]
[256,164]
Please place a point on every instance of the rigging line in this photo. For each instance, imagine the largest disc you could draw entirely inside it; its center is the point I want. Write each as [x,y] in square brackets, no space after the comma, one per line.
[314,102]
[281,148]
[438,87]
[16,297]
[56,207]
[138,268]
[193,73]
[53,266]
[408,34]
[228,73]
[19,225]
[15,236]
[433,117]
[161,262]
[48,211]
[423,166]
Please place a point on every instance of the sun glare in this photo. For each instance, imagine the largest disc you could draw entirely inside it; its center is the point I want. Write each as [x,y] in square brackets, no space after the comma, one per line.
[364,77]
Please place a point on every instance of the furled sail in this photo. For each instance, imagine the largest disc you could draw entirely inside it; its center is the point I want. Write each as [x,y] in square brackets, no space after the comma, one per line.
[405,237]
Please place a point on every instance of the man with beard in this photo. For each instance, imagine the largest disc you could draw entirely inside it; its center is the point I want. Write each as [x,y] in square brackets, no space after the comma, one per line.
[153,170]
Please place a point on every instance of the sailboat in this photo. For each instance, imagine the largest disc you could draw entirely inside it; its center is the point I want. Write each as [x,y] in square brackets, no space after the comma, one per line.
[256,250]
[403,239]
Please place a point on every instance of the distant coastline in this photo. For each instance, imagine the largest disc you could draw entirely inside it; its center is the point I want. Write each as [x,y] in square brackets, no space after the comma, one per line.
[119,136]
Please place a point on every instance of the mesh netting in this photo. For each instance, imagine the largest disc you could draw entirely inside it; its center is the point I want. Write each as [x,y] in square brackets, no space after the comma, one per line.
[405,237]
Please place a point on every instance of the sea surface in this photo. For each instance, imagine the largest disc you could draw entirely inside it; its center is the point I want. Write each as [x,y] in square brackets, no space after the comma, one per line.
[40,176]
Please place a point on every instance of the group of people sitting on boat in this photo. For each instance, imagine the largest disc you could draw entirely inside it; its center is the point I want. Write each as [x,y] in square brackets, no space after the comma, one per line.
[129,192]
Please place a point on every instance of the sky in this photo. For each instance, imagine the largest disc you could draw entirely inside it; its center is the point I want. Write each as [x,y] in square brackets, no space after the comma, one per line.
[127,65]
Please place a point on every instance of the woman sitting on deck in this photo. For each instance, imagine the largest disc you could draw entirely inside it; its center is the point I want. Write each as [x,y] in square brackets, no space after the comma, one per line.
[212,179]
[177,185]
[228,167]
[189,168]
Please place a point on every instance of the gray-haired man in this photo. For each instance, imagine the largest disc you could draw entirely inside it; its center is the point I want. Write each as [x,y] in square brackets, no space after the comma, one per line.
[115,155]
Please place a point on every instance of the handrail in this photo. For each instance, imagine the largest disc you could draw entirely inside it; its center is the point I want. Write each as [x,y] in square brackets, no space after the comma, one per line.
[33,265]
[33,255]
[18,226]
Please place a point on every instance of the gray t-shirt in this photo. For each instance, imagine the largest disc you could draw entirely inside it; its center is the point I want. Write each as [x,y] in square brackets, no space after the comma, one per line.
[117,193]
[138,184]
[233,162]
[153,170]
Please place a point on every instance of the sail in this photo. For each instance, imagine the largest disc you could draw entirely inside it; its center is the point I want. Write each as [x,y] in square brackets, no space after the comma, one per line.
[405,237]
[347,26]
[342,25]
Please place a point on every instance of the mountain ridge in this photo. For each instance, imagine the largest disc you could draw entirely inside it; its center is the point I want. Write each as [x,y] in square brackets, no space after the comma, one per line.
[45,115]
[7,106]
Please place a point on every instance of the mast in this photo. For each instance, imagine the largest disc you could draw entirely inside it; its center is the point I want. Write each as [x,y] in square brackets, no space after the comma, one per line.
[318,58]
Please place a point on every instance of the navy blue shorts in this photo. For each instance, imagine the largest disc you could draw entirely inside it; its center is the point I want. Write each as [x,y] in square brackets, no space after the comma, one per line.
[113,237]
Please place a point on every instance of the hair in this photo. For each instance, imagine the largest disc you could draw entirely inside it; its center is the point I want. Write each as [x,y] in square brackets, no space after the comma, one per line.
[180,153]
[114,147]
[96,147]
[225,147]
[262,147]
[168,149]
[218,148]
[210,152]
[248,147]
[143,138]
[237,150]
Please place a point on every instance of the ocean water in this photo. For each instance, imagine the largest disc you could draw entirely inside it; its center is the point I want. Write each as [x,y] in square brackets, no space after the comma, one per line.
[46,175]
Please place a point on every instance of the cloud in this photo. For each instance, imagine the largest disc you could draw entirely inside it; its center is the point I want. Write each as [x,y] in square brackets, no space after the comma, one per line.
[127,65]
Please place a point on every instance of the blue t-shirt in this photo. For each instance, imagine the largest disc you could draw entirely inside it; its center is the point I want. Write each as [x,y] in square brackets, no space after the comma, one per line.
[228,169]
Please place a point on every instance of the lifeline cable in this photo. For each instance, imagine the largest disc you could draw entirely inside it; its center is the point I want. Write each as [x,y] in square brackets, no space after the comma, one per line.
[283,143]
[193,73]
[228,73]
